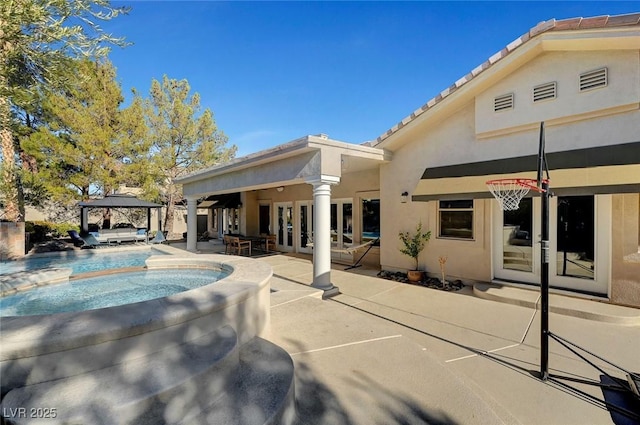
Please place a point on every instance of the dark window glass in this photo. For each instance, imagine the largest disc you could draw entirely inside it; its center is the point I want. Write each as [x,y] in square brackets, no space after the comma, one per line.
[370,219]
[465,203]
[456,219]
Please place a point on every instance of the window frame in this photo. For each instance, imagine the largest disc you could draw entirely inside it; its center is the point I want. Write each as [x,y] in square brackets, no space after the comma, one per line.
[471,209]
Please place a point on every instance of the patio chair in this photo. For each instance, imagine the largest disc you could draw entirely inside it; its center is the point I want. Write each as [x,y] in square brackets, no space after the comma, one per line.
[270,243]
[236,246]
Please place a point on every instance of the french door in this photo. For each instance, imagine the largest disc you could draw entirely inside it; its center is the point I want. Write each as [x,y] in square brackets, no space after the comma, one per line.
[304,230]
[341,228]
[579,234]
[284,225]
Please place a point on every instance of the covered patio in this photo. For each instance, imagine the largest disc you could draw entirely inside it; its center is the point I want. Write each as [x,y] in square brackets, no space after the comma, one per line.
[305,168]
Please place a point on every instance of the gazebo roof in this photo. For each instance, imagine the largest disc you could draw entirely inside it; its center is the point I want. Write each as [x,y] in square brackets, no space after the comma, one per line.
[118,201]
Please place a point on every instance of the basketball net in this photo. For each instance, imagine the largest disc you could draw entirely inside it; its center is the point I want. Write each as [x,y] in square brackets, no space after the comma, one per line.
[509,192]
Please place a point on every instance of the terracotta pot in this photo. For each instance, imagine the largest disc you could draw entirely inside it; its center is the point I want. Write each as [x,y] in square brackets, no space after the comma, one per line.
[415,275]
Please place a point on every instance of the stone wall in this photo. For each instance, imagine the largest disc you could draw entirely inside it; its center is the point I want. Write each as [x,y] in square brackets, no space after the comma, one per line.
[12,242]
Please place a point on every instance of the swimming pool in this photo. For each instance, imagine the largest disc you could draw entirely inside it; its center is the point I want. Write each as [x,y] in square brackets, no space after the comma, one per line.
[84,261]
[106,291]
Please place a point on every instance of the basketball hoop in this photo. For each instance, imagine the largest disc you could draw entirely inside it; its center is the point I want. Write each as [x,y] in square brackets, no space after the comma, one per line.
[509,192]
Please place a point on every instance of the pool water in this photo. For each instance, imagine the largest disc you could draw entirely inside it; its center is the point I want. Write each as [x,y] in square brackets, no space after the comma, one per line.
[82,262]
[106,291]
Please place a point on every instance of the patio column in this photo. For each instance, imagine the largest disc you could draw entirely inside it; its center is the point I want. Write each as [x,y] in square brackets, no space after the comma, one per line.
[220,216]
[192,223]
[84,220]
[210,224]
[322,234]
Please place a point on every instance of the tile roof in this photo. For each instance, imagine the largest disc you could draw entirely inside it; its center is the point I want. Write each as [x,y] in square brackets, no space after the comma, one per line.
[545,26]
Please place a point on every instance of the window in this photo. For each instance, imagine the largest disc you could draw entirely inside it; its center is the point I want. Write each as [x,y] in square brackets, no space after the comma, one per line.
[503,102]
[370,220]
[456,219]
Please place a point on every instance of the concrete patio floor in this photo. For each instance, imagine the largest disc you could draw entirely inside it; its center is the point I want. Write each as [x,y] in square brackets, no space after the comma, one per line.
[384,352]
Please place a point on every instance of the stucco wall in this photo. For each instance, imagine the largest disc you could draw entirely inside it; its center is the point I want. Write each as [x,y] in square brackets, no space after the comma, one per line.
[452,139]
[564,68]
[472,132]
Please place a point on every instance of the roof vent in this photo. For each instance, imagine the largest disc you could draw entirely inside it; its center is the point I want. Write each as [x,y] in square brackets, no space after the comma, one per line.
[503,102]
[593,79]
[545,91]
[323,136]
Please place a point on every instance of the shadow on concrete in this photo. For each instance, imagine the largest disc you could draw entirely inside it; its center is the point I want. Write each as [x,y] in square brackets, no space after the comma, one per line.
[611,399]
[316,403]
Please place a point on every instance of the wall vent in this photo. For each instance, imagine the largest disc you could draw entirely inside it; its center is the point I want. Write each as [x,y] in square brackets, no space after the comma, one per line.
[545,91]
[593,79]
[503,102]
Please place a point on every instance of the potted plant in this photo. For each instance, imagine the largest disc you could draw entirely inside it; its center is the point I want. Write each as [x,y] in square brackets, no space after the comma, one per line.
[413,246]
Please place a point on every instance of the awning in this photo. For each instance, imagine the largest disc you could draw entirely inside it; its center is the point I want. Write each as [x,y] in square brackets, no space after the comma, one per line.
[601,170]
[227,200]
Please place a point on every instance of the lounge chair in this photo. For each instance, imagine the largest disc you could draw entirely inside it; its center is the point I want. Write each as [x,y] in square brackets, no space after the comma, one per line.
[90,241]
[75,238]
[158,238]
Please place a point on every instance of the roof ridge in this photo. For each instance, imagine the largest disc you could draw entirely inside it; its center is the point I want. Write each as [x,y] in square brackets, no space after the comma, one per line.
[577,23]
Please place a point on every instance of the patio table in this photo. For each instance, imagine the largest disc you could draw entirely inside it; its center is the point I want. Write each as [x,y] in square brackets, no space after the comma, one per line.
[259,240]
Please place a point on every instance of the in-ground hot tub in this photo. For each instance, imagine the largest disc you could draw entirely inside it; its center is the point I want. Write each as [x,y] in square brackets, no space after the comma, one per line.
[180,331]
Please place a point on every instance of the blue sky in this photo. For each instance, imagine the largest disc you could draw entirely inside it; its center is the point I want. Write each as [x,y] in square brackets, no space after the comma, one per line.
[275,71]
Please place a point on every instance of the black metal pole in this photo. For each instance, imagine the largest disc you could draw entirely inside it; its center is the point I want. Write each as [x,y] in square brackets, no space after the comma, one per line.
[544,284]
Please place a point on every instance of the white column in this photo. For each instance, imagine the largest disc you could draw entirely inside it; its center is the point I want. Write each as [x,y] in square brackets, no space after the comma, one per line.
[220,216]
[192,223]
[210,224]
[322,234]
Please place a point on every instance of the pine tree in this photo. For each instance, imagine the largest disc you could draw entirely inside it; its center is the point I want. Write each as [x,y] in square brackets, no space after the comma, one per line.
[36,39]
[183,139]
[90,143]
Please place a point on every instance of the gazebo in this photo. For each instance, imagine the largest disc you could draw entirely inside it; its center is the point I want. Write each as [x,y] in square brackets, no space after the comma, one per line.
[117,201]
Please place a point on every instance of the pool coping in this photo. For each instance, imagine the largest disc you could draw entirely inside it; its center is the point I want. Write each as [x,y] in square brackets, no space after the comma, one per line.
[27,336]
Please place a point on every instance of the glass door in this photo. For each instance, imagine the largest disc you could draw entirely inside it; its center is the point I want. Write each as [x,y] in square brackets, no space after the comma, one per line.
[341,229]
[580,234]
[284,226]
[516,247]
[305,226]
[578,242]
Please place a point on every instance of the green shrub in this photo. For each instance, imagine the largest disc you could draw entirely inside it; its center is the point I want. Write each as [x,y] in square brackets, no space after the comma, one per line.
[60,229]
[40,229]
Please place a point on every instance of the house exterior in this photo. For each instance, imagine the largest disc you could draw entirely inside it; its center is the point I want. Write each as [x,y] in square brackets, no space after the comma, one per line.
[581,77]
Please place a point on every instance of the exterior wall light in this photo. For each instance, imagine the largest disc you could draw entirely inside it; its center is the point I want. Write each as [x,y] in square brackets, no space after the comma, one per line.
[280,188]
[404,196]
